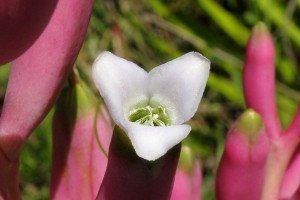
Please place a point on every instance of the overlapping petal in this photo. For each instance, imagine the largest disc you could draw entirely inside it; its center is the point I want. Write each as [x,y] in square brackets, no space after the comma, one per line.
[152,142]
[179,85]
[121,83]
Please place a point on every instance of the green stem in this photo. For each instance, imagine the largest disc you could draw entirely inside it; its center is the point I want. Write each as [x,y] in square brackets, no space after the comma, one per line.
[96,129]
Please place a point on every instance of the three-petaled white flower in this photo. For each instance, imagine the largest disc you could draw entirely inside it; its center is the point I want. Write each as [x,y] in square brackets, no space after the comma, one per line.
[152,107]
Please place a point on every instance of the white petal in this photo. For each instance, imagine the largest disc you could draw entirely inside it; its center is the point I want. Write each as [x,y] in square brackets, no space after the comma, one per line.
[179,85]
[121,83]
[152,142]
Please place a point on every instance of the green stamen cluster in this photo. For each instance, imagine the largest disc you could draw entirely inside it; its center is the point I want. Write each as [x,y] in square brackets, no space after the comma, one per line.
[149,116]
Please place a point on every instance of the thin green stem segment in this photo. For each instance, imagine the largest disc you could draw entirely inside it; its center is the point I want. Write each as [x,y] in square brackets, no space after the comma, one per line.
[96,130]
[150,116]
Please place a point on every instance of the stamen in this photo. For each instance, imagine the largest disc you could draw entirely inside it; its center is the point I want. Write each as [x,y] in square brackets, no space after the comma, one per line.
[149,116]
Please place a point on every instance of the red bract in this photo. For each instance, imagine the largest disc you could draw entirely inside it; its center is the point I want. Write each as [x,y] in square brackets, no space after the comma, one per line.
[130,177]
[241,171]
[78,164]
[21,22]
[36,79]
[259,78]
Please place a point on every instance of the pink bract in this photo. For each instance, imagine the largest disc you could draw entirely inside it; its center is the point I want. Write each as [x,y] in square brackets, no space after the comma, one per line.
[37,77]
[259,78]
[21,22]
[241,171]
[130,177]
[78,164]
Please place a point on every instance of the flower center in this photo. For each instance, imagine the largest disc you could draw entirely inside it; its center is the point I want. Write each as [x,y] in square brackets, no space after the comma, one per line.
[149,116]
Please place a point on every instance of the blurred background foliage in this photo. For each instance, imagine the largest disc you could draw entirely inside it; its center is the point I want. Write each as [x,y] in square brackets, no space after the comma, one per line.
[156,31]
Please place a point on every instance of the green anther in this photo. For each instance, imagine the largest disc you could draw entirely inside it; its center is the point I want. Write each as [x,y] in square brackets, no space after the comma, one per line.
[149,116]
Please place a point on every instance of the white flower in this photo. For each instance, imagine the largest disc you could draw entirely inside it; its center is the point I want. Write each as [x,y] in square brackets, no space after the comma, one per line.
[152,107]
